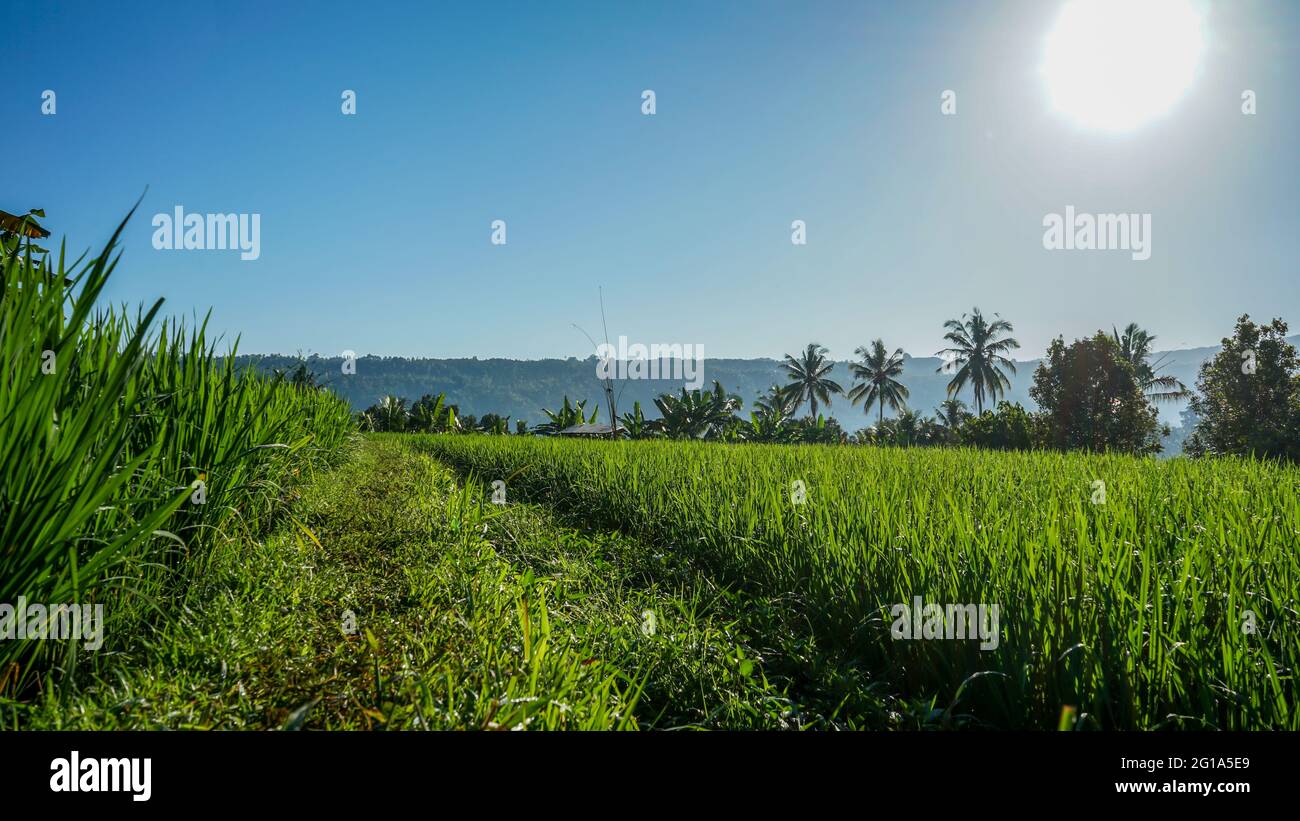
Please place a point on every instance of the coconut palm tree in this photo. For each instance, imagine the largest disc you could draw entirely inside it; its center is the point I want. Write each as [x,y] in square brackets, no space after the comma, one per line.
[773,413]
[1135,347]
[809,377]
[950,414]
[877,372]
[908,429]
[978,351]
[930,432]
[778,403]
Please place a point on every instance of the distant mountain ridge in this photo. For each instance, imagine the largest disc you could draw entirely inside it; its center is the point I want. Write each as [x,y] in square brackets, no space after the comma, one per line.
[521,388]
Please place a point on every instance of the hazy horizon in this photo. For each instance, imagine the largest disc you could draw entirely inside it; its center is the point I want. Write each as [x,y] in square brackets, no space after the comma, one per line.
[1020,356]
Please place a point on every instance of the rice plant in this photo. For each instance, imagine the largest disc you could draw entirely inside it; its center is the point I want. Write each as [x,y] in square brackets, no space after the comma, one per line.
[125,446]
[1142,594]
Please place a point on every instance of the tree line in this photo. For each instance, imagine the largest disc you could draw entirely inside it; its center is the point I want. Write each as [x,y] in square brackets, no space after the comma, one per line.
[1094,394]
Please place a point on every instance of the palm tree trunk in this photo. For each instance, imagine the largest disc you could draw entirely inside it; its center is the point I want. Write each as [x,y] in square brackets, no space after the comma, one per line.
[882,412]
[812,400]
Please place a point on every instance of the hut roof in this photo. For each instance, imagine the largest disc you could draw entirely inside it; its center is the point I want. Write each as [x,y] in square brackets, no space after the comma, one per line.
[594,429]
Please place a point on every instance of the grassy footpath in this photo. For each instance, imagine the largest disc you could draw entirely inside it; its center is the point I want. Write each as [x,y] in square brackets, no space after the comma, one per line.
[468,615]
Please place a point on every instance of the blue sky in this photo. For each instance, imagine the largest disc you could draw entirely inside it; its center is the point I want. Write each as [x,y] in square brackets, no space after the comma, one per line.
[375,228]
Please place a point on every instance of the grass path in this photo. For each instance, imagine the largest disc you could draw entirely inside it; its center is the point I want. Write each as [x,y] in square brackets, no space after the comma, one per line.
[395,596]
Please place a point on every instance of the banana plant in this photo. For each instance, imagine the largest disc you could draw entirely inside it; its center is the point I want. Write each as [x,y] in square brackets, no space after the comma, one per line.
[567,416]
[636,425]
[697,414]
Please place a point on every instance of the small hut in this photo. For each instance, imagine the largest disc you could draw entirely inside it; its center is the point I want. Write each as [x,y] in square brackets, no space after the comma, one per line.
[594,430]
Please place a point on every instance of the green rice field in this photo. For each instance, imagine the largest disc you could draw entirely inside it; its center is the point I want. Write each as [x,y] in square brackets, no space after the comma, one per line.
[1169,602]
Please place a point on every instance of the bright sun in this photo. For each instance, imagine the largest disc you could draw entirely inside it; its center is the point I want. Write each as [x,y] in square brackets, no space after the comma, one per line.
[1112,65]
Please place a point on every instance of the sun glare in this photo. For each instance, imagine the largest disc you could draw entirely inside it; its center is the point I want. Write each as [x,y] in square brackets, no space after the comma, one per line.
[1112,65]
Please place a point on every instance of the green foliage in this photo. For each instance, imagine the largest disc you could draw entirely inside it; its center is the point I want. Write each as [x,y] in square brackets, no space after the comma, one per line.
[909,429]
[301,376]
[432,414]
[809,376]
[1090,399]
[493,424]
[1135,347]
[1009,427]
[820,431]
[698,414]
[468,615]
[566,417]
[635,425]
[979,352]
[779,403]
[949,417]
[107,425]
[1248,398]
[1131,611]
[388,415]
[772,416]
[17,233]
[877,371]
